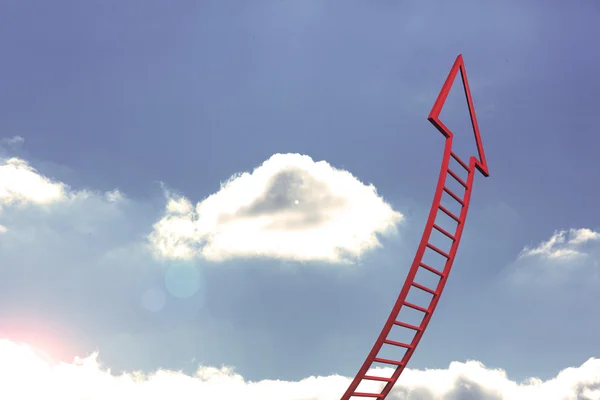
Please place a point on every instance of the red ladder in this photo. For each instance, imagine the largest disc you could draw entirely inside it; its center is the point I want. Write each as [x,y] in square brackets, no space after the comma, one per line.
[387,383]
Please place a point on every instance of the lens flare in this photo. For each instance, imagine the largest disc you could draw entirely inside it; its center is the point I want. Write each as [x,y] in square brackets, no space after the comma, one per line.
[182,280]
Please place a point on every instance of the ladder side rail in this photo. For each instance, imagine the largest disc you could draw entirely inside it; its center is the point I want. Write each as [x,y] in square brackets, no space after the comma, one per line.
[447,268]
[474,164]
[407,283]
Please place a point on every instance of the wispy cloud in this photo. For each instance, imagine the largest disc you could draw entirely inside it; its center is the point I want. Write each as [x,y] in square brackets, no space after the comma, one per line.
[12,141]
[290,207]
[562,244]
[567,256]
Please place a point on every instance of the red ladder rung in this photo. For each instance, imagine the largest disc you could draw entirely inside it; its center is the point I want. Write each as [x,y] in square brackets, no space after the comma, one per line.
[461,162]
[398,344]
[431,269]
[440,252]
[457,178]
[425,289]
[448,213]
[416,307]
[409,326]
[360,394]
[377,378]
[445,232]
[454,196]
[386,361]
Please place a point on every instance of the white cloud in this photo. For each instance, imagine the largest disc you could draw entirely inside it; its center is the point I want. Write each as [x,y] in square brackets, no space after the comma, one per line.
[290,207]
[114,196]
[23,185]
[580,236]
[563,244]
[35,208]
[28,374]
[20,183]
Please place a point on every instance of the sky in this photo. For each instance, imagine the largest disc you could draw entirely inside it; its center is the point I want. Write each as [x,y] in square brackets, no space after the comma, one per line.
[221,200]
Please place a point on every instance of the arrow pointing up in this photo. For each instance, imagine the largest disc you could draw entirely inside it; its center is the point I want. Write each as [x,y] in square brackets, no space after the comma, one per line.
[434,115]
[385,350]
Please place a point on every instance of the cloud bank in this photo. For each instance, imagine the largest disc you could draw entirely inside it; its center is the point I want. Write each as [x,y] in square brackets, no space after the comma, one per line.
[28,374]
[290,207]
[24,191]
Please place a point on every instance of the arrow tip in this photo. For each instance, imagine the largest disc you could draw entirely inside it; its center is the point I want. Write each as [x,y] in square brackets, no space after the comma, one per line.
[434,115]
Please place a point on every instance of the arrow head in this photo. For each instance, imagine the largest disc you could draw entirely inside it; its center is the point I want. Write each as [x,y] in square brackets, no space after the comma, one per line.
[434,115]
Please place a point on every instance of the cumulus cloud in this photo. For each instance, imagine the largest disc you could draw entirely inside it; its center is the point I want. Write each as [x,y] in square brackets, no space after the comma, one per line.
[22,365]
[563,244]
[21,183]
[290,207]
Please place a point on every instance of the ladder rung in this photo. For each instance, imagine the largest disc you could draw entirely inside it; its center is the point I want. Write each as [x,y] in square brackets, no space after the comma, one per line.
[386,361]
[425,289]
[428,268]
[461,162]
[440,252]
[457,178]
[398,344]
[448,213]
[445,232]
[361,394]
[454,196]
[409,326]
[416,307]
[377,378]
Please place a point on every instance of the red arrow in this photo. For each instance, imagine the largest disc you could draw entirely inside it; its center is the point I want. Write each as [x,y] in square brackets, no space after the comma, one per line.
[386,383]
[434,115]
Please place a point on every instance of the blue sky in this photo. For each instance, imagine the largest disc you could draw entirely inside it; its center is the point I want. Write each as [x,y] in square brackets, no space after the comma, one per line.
[118,118]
